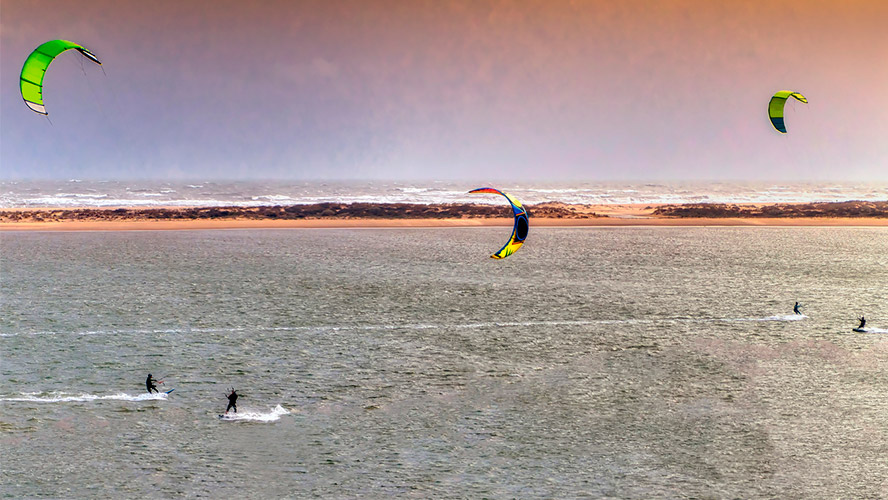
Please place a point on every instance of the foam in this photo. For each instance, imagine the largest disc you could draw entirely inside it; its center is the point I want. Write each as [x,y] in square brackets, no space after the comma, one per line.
[874,330]
[245,194]
[253,416]
[61,397]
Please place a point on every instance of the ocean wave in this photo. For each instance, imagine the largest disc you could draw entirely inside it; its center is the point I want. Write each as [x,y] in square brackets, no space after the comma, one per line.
[23,194]
[276,198]
[81,195]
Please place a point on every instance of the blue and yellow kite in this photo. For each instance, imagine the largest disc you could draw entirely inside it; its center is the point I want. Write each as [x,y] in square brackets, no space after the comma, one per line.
[519,230]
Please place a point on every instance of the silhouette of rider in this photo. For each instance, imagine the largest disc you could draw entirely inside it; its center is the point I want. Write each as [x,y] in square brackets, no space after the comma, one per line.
[862,322]
[149,384]
[232,401]
[795,308]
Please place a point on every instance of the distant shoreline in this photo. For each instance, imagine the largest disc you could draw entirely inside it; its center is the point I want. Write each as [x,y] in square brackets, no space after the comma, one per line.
[355,215]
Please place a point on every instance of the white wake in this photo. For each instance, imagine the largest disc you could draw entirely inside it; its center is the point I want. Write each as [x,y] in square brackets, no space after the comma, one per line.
[61,397]
[254,416]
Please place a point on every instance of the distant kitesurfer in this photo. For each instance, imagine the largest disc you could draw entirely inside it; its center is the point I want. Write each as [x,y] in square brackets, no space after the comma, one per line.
[232,401]
[862,322]
[796,307]
[149,384]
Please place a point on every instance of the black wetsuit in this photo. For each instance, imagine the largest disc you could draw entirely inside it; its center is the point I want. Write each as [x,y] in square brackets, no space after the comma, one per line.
[795,309]
[862,322]
[232,402]
[149,384]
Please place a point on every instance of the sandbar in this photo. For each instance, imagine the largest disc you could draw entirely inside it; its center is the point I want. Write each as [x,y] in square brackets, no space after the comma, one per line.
[875,214]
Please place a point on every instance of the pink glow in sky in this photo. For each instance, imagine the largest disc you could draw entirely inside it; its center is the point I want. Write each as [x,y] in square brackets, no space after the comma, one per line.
[556,90]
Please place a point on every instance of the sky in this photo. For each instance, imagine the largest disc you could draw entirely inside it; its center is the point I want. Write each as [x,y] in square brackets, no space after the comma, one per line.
[553,90]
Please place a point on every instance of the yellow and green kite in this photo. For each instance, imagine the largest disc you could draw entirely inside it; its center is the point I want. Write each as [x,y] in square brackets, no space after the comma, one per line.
[775,107]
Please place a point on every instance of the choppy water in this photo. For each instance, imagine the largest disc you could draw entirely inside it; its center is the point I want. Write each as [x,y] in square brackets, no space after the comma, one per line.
[88,193]
[630,362]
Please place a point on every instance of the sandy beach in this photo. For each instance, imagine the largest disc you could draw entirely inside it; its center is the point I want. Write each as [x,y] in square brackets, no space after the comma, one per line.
[397,216]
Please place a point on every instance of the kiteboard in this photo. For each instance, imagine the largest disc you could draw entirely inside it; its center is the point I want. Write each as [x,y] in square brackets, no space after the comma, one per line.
[860,330]
[169,391]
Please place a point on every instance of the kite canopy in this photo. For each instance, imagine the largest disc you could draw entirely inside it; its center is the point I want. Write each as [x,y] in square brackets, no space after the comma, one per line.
[775,107]
[519,230]
[31,79]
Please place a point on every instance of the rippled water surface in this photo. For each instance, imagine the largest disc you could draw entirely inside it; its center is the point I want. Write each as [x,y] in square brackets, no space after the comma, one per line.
[631,362]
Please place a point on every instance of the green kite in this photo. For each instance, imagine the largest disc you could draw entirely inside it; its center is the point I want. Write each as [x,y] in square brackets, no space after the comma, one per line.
[31,79]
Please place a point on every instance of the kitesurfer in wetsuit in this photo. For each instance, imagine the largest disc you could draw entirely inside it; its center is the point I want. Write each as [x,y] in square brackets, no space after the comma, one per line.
[795,308]
[862,322]
[149,384]
[232,401]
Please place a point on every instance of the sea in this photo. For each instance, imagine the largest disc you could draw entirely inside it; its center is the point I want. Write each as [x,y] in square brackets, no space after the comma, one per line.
[146,193]
[634,362]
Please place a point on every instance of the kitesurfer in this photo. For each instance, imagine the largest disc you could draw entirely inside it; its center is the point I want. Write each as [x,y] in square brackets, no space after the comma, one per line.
[149,384]
[862,322]
[795,308]
[232,401]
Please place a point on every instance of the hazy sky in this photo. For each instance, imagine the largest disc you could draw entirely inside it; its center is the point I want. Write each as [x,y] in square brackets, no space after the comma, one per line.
[412,89]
